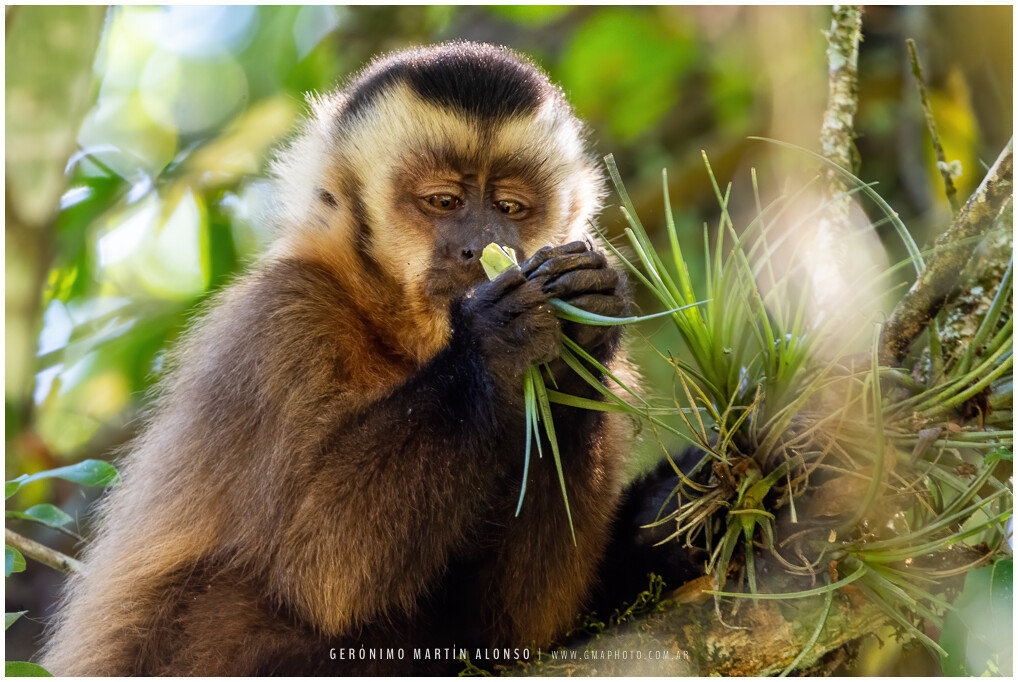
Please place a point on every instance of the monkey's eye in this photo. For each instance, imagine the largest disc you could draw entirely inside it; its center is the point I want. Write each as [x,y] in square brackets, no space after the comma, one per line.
[444,202]
[508,206]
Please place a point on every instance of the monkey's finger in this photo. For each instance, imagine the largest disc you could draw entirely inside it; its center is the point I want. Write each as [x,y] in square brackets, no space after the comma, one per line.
[492,295]
[578,282]
[547,252]
[601,304]
[561,264]
[497,288]
[529,297]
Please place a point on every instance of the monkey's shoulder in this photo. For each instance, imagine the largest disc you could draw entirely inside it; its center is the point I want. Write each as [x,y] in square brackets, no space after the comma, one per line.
[292,326]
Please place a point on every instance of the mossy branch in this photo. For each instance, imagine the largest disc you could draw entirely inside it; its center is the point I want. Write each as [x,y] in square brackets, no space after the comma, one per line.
[763,638]
[41,553]
[952,251]
[837,134]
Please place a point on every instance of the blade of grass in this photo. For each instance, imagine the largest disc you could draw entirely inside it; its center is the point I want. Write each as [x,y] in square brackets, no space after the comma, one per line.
[530,408]
[571,313]
[795,595]
[544,407]
[678,261]
[884,605]
[824,612]
[878,431]
[579,352]
[903,234]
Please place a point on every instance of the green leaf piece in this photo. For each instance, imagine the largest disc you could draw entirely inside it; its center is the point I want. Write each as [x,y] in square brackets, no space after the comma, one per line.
[11,487]
[46,514]
[495,259]
[91,472]
[14,562]
[25,669]
[11,616]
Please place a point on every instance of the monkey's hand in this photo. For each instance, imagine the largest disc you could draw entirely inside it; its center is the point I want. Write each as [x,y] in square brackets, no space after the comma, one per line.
[583,278]
[512,322]
[515,324]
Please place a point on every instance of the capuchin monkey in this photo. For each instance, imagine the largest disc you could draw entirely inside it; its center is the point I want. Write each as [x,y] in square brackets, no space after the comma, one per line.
[336,453]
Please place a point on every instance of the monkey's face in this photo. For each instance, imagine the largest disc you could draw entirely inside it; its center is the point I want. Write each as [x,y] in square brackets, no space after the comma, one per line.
[436,186]
[464,207]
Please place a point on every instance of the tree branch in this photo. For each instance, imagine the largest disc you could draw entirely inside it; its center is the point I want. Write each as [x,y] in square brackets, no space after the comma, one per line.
[689,639]
[837,144]
[931,124]
[837,134]
[41,553]
[953,249]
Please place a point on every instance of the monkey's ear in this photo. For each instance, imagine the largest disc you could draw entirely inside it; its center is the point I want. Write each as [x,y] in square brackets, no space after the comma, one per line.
[327,198]
[303,168]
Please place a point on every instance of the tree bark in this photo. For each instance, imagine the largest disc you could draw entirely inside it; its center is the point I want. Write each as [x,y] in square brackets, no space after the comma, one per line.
[762,639]
[952,251]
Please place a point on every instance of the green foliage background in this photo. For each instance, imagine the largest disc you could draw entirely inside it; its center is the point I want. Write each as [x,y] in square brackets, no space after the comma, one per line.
[137,140]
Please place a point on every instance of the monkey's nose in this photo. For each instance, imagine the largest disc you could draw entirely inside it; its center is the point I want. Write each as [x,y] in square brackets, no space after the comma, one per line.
[467,254]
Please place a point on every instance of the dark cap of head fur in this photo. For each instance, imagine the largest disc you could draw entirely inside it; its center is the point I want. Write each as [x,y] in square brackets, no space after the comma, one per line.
[481,80]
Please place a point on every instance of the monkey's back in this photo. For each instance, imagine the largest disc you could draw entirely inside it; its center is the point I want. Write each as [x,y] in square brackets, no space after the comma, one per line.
[206,482]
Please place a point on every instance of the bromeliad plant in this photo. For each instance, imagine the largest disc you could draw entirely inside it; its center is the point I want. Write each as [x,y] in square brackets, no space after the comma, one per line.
[816,457]
[816,451]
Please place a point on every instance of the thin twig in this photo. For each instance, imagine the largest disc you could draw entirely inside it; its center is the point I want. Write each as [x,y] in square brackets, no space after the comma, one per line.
[931,125]
[952,251]
[41,553]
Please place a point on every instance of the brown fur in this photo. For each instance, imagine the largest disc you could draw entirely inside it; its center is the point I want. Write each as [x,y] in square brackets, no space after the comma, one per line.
[279,500]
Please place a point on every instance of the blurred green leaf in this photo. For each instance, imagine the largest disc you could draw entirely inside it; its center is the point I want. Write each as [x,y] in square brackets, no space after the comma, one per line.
[46,96]
[731,91]
[531,15]
[24,669]
[14,562]
[11,487]
[219,253]
[978,635]
[272,53]
[92,197]
[11,616]
[91,472]
[625,65]
[46,514]
[998,455]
